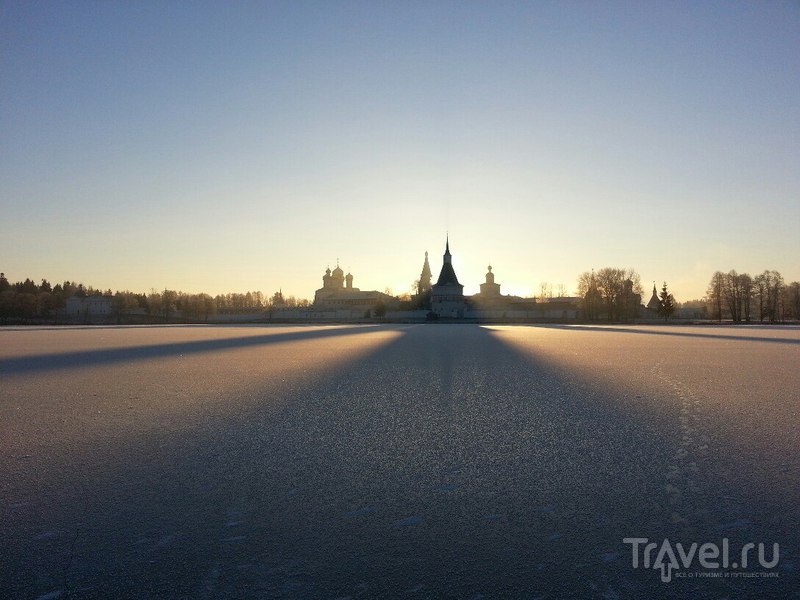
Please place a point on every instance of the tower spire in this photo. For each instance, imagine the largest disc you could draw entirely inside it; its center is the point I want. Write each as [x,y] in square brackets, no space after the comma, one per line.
[425,276]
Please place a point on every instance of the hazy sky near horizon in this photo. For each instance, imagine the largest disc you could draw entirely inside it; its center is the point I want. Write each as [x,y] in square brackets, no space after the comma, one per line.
[213,146]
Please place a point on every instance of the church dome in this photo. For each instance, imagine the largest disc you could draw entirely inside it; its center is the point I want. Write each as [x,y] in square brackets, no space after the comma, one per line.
[337,272]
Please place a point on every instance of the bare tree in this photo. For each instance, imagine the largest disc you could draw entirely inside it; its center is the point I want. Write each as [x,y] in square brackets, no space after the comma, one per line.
[746,288]
[775,297]
[169,300]
[206,306]
[123,303]
[154,303]
[611,283]
[715,294]
[732,295]
[590,295]
[760,285]
[792,301]
[768,287]
[630,300]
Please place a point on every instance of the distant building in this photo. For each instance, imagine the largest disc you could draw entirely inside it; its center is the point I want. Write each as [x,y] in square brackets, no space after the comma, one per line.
[490,298]
[490,289]
[447,295]
[630,301]
[422,295]
[278,300]
[337,292]
[490,303]
[90,307]
[562,308]
[338,299]
[654,304]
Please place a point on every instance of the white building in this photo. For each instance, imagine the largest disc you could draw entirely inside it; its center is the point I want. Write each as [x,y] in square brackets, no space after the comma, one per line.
[90,307]
[337,293]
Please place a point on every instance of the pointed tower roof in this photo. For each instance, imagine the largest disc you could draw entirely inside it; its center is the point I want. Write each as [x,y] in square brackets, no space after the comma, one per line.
[654,302]
[426,267]
[447,276]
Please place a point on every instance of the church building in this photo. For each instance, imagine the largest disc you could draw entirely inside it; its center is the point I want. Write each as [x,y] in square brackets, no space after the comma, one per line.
[337,292]
[654,304]
[490,289]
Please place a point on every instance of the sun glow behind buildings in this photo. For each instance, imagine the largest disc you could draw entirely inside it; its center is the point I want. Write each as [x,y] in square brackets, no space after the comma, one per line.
[217,149]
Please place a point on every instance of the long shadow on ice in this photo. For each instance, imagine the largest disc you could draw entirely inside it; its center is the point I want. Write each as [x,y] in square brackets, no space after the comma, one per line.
[445,465]
[666,330]
[91,358]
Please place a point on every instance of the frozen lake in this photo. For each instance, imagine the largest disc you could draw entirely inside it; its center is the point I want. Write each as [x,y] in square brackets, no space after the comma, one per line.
[420,461]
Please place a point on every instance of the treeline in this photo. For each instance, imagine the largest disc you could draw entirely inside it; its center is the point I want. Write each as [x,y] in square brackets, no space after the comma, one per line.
[616,294]
[744,299]
[202,306]
[26,301]
[611,293]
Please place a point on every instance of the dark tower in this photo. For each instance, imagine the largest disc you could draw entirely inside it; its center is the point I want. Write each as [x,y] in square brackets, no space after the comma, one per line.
[447,296]
[447,276]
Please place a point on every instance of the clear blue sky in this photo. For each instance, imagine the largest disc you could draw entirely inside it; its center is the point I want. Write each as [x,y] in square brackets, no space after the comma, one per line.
[214,146]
